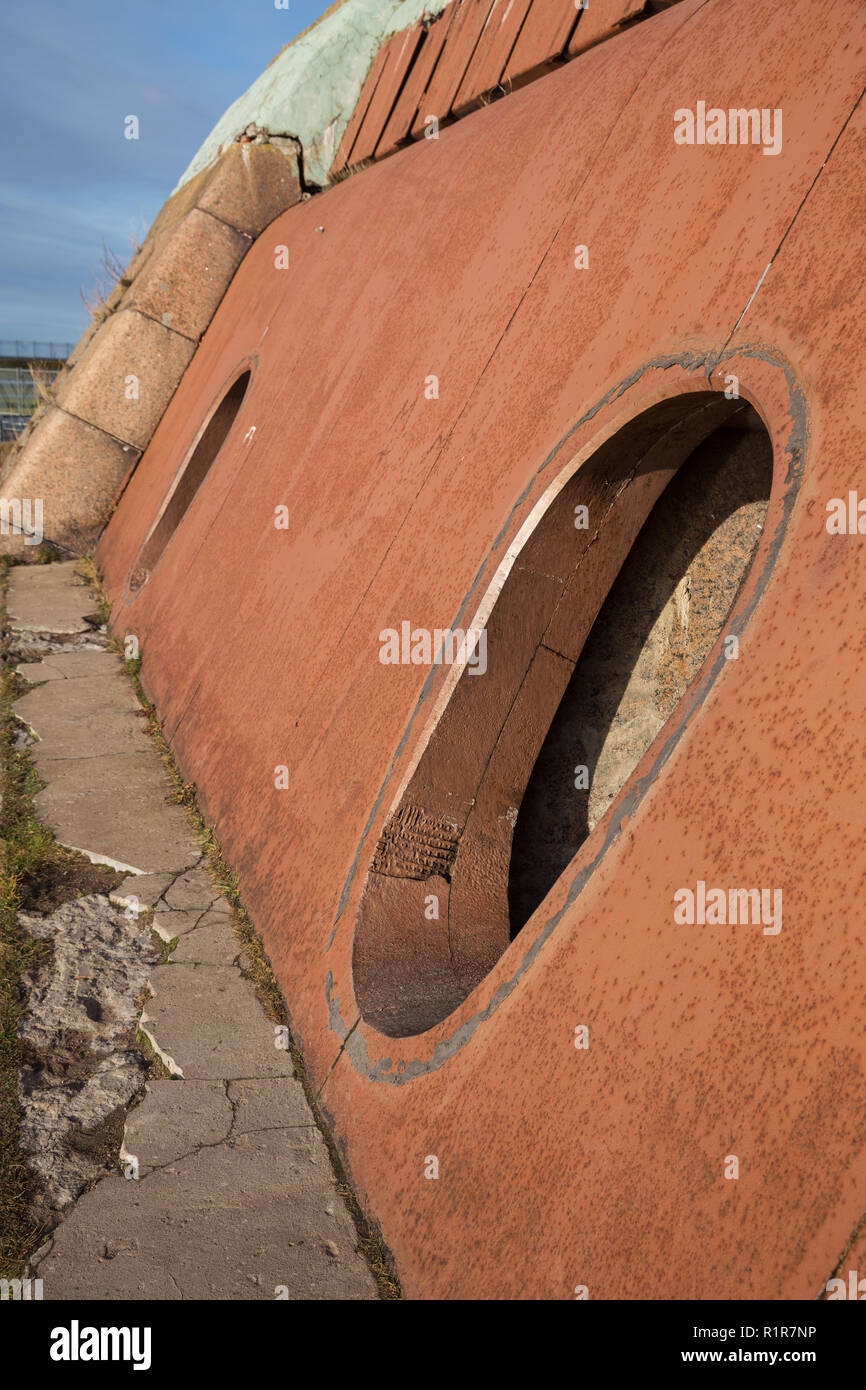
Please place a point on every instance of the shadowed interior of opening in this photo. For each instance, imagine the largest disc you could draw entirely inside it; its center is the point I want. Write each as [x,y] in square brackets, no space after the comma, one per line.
[662,616]
[189,480]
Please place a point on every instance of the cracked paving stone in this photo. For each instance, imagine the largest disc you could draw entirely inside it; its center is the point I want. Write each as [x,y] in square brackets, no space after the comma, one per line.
[70,665]
[174,1119]
[220,907]
[49,599]
[195,889]
[212,942]
[210,1023]
[115,807]
[91,717]
[170,924]
[147,889]
[240,1220]
[271,1103]
[235,1196]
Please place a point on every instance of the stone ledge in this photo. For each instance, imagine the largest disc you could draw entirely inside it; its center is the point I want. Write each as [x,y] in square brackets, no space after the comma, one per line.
[78,470]
[100,390]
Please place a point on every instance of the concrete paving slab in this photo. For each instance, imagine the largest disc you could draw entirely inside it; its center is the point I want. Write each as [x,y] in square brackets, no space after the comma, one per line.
[210,943]
[220,907]
[175,1119]
[195,889]
[87,718]
[147,889]
[171,924]
[37,671]
[71,665]
[271,1103]
[256,1217]
[114,810]
[49,598]
[209,1022]
[231,1194]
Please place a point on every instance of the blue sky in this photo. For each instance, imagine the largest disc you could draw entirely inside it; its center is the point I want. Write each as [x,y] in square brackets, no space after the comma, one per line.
[72,71]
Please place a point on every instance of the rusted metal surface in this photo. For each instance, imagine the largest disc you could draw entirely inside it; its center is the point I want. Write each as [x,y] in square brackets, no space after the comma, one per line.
[558,1167]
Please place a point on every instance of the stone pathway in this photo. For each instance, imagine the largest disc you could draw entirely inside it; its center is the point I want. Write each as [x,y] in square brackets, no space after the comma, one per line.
[235,1196]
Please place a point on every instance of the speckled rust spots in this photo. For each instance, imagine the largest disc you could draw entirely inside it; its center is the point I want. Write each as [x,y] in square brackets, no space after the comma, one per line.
[557,1166]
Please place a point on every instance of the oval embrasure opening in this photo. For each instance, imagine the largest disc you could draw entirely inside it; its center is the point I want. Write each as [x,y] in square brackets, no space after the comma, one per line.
[188,480]
[605,618]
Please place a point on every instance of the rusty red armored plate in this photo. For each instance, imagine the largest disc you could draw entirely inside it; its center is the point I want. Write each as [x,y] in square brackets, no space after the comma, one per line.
[429,373]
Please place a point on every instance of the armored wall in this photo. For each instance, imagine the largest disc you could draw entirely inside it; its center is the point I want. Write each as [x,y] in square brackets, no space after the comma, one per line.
[584,289]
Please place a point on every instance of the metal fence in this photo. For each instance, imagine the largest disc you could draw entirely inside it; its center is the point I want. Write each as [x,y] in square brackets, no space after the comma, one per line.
[31,350]
[19,394]
[11,426]
[19,397]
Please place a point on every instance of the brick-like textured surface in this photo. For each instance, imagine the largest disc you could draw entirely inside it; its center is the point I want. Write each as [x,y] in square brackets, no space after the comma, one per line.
[475,47]
[456,56]
[399,52]
[402,118]
[182,283]
[602,20]
[485,71]
[543,37]
[127,376]
[343,156]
